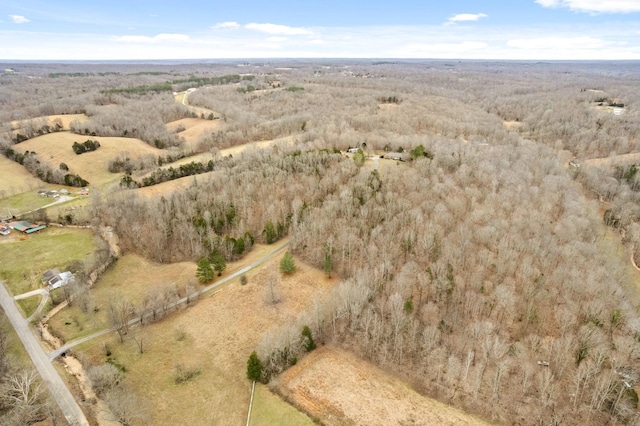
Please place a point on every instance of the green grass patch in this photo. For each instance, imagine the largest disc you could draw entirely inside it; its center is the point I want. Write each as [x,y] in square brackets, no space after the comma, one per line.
[23,202]
[71,323]
[269,409]
[23,261]
[77,209]
[29,305]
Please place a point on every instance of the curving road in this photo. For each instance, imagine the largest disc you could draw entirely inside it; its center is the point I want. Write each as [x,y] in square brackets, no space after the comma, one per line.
[50,376]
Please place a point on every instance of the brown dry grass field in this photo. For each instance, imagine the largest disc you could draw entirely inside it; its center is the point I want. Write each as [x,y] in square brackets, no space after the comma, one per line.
[170,186]
[15,179]
[195,128]
[216,336]
[342,389]
[55,148]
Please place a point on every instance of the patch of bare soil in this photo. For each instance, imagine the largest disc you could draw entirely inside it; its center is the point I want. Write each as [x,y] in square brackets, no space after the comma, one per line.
[342,389]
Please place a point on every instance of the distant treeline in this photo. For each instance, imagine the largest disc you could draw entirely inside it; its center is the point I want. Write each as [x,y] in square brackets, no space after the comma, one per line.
[192,81]
[79,74]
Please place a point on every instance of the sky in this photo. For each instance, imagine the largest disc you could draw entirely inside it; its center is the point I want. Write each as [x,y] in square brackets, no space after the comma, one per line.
[412,29]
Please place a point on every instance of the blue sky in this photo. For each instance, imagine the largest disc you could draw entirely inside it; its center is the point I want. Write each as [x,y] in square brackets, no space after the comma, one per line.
[189,29]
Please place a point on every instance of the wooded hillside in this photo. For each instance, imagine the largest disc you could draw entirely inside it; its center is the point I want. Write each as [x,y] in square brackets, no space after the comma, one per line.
[482,272]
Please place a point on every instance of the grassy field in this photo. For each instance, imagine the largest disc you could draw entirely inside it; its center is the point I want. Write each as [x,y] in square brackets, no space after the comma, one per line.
[56,148]
[130,277]
[16,179]
[24,259]
[194,128]
[22,203]
[76,208]
[342,389]
[214,337]
[268,409]
[29,305]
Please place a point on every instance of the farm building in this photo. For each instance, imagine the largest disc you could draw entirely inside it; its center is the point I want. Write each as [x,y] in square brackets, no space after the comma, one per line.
[53,278]
[26,227]
[4,230]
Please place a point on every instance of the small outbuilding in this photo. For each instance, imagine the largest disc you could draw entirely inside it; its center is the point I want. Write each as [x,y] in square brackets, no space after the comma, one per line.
[26,227]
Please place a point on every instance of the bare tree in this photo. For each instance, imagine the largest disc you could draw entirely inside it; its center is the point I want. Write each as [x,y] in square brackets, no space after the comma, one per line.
[119,311]
[271,287]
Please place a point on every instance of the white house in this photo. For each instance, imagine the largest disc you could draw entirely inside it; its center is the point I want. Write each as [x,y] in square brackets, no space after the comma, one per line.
[55,279]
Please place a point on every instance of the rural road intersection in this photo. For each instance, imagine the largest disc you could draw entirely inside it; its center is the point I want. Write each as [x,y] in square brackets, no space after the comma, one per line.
[50,376]
[42,361]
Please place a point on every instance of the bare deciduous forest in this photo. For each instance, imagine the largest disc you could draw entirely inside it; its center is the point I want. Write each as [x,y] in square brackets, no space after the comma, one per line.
[480,271]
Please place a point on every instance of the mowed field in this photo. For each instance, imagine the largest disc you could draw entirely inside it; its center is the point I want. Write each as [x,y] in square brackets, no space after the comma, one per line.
[215,337]
[342,389]
[56,148]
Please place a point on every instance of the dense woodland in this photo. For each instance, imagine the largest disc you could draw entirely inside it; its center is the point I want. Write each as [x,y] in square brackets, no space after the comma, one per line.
[483,275]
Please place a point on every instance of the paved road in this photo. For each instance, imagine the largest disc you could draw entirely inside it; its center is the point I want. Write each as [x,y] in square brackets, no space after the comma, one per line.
[59,391]
[62,349]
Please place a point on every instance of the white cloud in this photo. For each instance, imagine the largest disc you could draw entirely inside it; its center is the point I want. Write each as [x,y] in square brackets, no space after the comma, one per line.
[462,17]
[557,43]
[277,39]
[229,24]
[160,38]
[594,6]
[18,19]
[277,29]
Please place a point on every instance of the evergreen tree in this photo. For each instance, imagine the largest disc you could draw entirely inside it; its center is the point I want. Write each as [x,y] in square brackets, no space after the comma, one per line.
[254,367]
[287,264]
[204,271]
[308,342]
[218,261]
